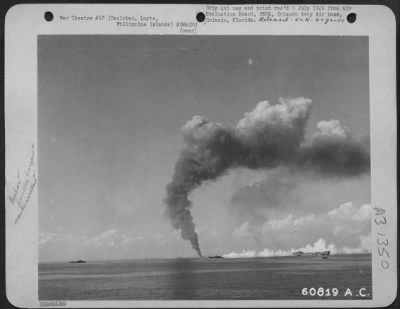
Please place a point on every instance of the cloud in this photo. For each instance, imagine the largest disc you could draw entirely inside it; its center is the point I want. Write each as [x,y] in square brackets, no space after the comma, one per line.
[109,238]
[278,224]
[343,210]
[285,191]
[347,226]
[331,128]
[366,242]
[242,231]
[113,237]
[304,220]
[364,213]
[45,237]
[60,238]
[273,130]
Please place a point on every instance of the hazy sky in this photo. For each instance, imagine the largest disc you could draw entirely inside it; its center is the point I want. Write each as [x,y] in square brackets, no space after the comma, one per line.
[110,113]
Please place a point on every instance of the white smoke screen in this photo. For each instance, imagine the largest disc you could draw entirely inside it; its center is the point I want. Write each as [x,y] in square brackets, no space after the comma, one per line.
[270,136]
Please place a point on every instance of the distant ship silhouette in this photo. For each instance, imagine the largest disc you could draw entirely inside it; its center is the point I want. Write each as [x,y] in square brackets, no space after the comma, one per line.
[323,254]
[78,261]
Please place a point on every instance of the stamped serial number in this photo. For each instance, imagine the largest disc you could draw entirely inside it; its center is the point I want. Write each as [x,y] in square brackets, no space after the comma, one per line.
[319,292]
[326,292]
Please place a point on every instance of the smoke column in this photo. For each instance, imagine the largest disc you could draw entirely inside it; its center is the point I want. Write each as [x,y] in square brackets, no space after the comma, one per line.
[269,136]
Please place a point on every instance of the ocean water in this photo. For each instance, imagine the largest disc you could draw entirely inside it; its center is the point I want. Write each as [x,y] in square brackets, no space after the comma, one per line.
[212,279]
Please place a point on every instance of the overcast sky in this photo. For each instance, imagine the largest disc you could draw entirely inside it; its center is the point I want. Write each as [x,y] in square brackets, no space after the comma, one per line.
[110,113]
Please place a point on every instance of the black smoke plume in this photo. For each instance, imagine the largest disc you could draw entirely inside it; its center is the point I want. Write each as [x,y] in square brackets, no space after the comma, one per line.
[269,136]
[334,152]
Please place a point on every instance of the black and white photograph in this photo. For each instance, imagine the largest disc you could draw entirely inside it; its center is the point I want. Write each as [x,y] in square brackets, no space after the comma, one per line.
[155,160]
[216,167]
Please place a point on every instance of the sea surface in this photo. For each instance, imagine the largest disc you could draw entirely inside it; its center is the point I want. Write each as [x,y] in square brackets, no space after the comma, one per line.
[202,278]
